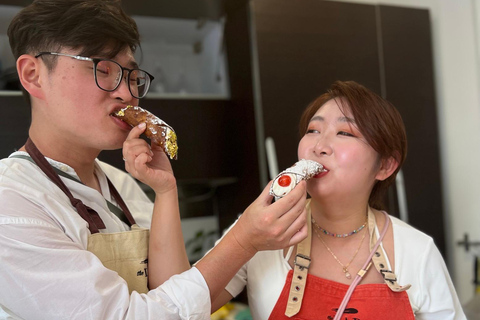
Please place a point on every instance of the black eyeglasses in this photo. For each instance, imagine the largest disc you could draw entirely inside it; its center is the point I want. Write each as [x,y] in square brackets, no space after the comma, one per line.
[109,74]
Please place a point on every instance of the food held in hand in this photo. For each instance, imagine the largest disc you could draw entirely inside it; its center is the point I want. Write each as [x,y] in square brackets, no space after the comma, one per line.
[157,130]
[286,180]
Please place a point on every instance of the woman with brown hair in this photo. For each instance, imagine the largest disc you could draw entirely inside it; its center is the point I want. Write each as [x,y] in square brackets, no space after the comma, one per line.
[357,260]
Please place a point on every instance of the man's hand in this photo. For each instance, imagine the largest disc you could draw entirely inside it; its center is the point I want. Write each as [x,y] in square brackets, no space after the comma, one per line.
[147,163]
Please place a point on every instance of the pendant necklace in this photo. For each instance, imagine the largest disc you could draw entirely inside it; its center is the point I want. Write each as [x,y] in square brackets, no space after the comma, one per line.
[344,267]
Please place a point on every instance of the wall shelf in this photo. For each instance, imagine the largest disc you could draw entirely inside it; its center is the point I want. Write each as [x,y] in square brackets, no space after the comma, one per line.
[10,93]
[152,95]
[187,57]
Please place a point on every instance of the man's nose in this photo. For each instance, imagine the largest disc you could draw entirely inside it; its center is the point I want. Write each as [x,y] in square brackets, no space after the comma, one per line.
[123,90]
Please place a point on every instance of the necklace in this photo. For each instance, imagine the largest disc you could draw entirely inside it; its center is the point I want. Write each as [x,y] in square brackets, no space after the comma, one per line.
[338,235]
[344,267]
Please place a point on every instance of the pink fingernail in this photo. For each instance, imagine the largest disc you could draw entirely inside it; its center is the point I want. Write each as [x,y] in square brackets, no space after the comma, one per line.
[142,125]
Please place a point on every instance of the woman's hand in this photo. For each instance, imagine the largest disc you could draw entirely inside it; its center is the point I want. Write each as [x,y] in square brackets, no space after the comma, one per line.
[267,226]
[148,163]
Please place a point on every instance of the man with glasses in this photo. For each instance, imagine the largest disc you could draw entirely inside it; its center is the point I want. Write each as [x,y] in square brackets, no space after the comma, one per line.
[72,227]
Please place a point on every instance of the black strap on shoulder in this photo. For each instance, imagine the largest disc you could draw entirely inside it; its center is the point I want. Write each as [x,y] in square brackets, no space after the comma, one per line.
[88,214]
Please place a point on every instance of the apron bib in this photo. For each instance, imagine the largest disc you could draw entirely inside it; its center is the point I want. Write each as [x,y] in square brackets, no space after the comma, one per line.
[319,298]
[123,252]
[323,297]
[126,253]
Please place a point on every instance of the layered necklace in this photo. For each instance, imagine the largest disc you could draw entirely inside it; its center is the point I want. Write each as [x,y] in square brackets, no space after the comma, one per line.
[319,229]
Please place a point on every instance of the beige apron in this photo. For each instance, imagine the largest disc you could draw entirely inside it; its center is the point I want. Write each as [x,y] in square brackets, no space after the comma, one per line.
[124,252]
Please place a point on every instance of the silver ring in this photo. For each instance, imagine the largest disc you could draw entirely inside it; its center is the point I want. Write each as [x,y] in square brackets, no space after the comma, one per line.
[124,159]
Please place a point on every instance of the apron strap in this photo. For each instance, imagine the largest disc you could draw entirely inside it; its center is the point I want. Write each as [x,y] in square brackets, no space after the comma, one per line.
[300,270]
[378,258]
[123,214]
[88,214]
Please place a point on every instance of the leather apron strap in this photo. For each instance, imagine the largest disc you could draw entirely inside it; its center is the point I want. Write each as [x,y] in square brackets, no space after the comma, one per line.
[300,270]
[378,258]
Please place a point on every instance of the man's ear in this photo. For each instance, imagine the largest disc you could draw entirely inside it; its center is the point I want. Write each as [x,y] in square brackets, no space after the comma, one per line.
[388,166]
[29,72]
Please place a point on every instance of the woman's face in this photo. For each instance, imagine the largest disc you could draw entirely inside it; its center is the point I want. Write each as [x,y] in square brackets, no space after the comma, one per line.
[333,140]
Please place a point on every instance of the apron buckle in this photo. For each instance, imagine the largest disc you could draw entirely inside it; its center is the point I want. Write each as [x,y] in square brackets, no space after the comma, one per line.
[388,275]
[303,262]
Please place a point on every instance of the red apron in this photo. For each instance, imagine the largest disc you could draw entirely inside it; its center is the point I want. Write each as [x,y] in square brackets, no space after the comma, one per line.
[322,298]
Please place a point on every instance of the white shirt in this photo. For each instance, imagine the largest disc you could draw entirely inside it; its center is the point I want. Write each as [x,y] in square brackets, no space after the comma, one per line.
[46,271]
[417,262]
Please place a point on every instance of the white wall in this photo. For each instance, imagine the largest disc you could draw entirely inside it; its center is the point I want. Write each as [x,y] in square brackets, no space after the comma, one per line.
[455,32]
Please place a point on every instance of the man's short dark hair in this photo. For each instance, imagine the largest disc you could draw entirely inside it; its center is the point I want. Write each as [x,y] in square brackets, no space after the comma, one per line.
[90,25]
[94,27]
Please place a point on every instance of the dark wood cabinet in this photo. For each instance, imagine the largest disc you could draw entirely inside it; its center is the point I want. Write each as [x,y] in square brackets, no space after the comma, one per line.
[302,48]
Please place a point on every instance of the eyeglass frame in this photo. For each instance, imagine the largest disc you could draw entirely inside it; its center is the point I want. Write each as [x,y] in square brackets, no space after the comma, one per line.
[96,61]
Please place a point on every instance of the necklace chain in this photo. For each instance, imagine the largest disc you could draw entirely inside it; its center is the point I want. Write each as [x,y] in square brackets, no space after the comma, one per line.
[339,235]
[344,267]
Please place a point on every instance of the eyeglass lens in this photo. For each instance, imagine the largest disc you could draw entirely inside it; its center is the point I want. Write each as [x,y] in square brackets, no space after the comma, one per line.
[109,75]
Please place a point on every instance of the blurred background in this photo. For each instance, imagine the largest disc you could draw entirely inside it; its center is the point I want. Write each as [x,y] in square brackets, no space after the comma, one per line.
[231,75]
